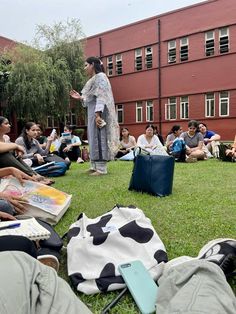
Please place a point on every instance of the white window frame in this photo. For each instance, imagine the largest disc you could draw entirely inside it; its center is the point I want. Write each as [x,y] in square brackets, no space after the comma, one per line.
[54,121]
[139,109]
[184,107]
[120,109]
[149,111]
[138,59]
[119,70]
[109,65]
[207,39]
[184,54]
[209,105]
[223,36]
[148,57]
[221,102]
[171,47]
[168,109]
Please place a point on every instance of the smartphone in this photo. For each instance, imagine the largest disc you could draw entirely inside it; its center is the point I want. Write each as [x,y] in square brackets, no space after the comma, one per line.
[140,284]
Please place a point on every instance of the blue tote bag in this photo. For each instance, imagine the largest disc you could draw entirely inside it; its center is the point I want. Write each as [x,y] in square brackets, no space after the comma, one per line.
[153,174]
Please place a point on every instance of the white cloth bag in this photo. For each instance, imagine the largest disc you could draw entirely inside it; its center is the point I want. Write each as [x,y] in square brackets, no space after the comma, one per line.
[97,246]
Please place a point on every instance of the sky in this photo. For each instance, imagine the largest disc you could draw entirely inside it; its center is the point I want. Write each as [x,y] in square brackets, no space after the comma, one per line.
[18,18]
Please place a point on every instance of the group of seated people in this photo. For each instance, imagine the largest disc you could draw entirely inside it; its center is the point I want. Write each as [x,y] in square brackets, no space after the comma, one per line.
[32,149]
[198,143]
[30,286]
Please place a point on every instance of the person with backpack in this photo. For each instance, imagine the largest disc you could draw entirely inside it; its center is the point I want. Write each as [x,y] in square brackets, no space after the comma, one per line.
[38,156]
[176,145]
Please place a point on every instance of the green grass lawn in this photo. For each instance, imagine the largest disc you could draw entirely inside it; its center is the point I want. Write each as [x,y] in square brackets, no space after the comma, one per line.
[201,208]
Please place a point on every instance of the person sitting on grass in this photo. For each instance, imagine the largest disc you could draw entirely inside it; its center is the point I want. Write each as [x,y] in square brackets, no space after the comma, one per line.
[127,143]
[10,156]
[70,145]
[211,139]
[194,142]
[232,152]
[150,142]
[174,133]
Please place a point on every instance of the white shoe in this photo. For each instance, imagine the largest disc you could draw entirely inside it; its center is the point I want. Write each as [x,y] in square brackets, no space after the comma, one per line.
[80,160]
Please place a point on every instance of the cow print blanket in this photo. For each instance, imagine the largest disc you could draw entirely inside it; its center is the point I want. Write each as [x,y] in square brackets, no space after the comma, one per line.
[97,246]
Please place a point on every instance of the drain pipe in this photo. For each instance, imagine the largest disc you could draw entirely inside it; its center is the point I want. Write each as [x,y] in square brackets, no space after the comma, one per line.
[159,74]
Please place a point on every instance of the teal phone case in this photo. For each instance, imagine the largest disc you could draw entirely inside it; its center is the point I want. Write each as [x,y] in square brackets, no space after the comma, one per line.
[140,284]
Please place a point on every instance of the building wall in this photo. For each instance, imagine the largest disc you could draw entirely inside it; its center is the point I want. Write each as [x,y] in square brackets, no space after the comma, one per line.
[194,78]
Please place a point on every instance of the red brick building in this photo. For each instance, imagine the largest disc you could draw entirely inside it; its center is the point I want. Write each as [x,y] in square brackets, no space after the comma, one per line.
[174,67]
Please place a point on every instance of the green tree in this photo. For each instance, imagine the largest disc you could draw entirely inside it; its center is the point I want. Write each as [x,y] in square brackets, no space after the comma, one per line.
[41,76]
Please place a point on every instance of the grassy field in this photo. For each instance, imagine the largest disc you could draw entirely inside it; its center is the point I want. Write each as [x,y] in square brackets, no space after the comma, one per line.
[201,208]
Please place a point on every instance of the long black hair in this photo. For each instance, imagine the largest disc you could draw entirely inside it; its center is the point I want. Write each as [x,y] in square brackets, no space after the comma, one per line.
[27,127]
[2,119]
[97,63]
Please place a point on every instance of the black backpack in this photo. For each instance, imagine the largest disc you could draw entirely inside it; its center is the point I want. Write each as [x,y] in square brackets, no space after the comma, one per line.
[222,152]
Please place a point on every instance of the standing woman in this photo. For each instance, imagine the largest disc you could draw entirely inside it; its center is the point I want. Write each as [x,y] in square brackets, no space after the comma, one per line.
[103,128]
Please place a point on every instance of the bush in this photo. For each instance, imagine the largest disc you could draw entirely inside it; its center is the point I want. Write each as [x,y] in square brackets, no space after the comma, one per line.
[79,132]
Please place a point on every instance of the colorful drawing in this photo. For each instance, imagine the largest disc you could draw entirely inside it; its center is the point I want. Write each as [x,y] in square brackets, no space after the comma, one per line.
[36,194]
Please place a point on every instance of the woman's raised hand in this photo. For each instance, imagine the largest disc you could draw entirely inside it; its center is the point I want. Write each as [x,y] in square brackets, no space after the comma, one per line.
[74,94]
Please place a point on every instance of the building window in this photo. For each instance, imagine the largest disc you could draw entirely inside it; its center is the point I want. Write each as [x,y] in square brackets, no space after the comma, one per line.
[149,110]
[184,107]
[210,105]
[138,59]
[210,43]
[148,57]
[52,122]
[120,114]
[224,39]
[109,66]
[224,104]
[119,64]
[184,49]
[171,109]
[139,111]
[172,51]
[70,118]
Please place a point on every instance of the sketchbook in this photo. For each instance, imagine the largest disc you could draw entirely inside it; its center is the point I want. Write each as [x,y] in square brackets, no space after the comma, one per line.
[29,228]
[40,200]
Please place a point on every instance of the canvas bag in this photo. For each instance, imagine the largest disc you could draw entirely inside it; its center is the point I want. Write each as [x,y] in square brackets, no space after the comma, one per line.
[152,174]
[97,246]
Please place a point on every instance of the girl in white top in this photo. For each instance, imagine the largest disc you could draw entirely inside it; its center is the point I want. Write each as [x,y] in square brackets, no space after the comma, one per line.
[151,142]
[127,143]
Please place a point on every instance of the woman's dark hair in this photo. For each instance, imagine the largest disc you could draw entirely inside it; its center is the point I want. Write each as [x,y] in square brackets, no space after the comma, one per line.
[97,63]
[193,123]
[2,119]
[175,128]
[121,132]
[70,128]
[40,127]
[202,124]
[27,127]
[150,126]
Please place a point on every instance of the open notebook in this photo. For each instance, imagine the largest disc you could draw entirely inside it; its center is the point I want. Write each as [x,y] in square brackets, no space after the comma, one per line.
[28,228]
